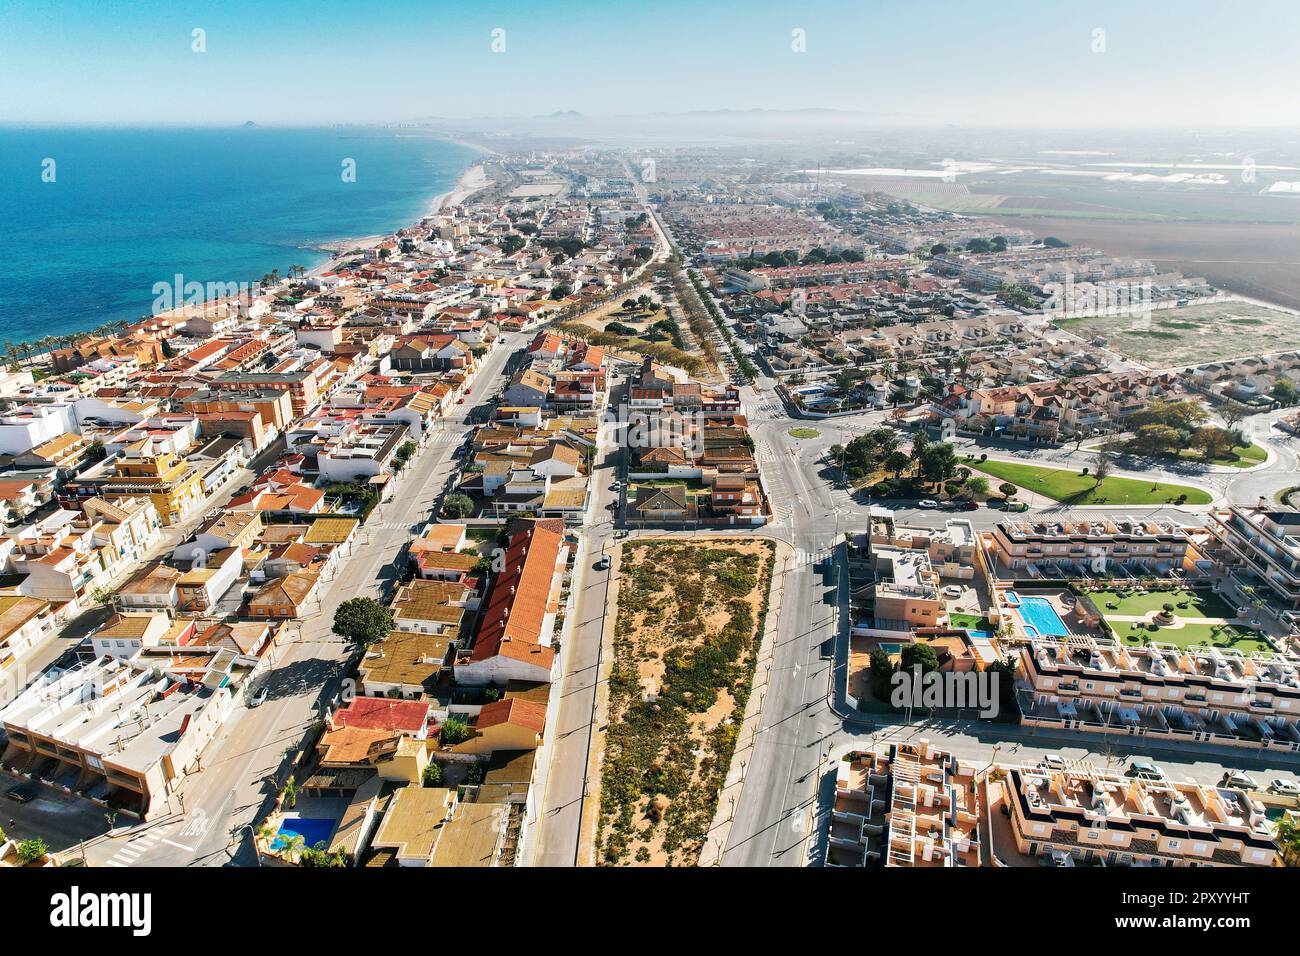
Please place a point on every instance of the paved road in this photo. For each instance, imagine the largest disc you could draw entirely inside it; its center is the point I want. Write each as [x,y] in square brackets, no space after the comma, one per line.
[565,800]
[213,819]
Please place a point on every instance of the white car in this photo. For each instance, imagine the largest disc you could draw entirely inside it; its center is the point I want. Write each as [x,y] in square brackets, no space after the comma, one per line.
[259,696]
[1235,778]
[1285,787]
[927,503]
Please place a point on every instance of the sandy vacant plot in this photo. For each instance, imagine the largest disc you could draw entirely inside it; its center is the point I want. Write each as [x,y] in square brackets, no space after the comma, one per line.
[685,642]
[1168,338]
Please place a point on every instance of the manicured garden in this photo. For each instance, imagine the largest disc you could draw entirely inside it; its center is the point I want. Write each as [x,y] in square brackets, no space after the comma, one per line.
[804,433]
[1201,617]
[1078,489]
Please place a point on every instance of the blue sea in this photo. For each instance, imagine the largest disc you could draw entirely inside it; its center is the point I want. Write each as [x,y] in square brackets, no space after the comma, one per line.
[129,207]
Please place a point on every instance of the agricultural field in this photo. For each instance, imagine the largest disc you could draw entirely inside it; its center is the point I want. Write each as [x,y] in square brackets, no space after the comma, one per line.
[1193,334]
[690,620]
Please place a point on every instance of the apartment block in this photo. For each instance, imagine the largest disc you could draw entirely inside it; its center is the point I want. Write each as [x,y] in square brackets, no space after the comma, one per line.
[1079,817]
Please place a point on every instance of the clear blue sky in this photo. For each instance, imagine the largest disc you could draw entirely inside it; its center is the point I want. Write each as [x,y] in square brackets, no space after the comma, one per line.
[1012,62]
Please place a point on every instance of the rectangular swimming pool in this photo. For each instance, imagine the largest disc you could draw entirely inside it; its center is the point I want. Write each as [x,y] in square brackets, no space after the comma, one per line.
[311,830]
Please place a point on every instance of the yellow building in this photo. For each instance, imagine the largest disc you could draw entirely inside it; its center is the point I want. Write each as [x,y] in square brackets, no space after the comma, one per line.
[170,482]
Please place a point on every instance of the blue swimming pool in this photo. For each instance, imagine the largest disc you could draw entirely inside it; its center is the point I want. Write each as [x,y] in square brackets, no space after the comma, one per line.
[891,648]
[311,830]
[1040,617]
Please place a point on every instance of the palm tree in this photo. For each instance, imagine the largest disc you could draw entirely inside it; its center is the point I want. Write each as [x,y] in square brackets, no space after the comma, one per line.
[291,844]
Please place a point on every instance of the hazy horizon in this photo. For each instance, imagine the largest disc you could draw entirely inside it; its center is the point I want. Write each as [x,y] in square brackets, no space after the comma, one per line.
[943,63]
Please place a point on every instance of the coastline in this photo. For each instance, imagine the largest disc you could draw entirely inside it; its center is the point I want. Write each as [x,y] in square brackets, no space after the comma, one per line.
[470,181]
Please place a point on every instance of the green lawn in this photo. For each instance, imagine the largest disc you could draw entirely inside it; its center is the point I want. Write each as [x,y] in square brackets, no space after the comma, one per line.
[804,433]
[1243,457]
[1076,489]
[1200,604]
[975,622]
[1193,635]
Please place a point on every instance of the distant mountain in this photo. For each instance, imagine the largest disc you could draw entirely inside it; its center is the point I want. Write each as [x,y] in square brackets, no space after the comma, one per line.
[249,124]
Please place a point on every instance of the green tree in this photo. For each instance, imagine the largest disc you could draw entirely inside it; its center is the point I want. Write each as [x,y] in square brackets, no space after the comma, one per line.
[362,621]
[1284,392]
[454,731]
[457,505]
[897,462]
[32,851]
[882,671]
[1008,489]
[1288,838]
[937,462]
[432,775]
[923,654]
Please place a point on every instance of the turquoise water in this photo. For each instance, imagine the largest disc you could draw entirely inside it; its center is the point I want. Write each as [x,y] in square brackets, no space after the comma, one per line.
[311,830]
[891,648]
[1038,614]
[130,207]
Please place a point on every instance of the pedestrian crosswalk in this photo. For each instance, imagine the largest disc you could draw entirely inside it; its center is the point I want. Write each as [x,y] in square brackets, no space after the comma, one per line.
[135,848]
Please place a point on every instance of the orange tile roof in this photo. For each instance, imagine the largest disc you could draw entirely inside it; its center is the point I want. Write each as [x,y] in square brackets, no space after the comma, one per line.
[522,713]
[517,605]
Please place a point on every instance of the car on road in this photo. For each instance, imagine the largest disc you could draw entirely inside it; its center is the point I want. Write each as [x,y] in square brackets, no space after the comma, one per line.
[970,506]
[603,563]
[1242,781]
[460,401]
[1052,762]
[1144,770]
[927,503]
[1286,788]
[259,696]
[621,533]
[23,793]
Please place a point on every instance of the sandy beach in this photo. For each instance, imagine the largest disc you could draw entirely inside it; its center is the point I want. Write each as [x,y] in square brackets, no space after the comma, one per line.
[471,181]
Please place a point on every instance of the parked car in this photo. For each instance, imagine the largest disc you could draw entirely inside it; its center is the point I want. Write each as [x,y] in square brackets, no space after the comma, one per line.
[1286,788]
[23,793]
[1242,781]
[259,696]
[603,563]
[927,503]
[971,506]
[1144,770]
